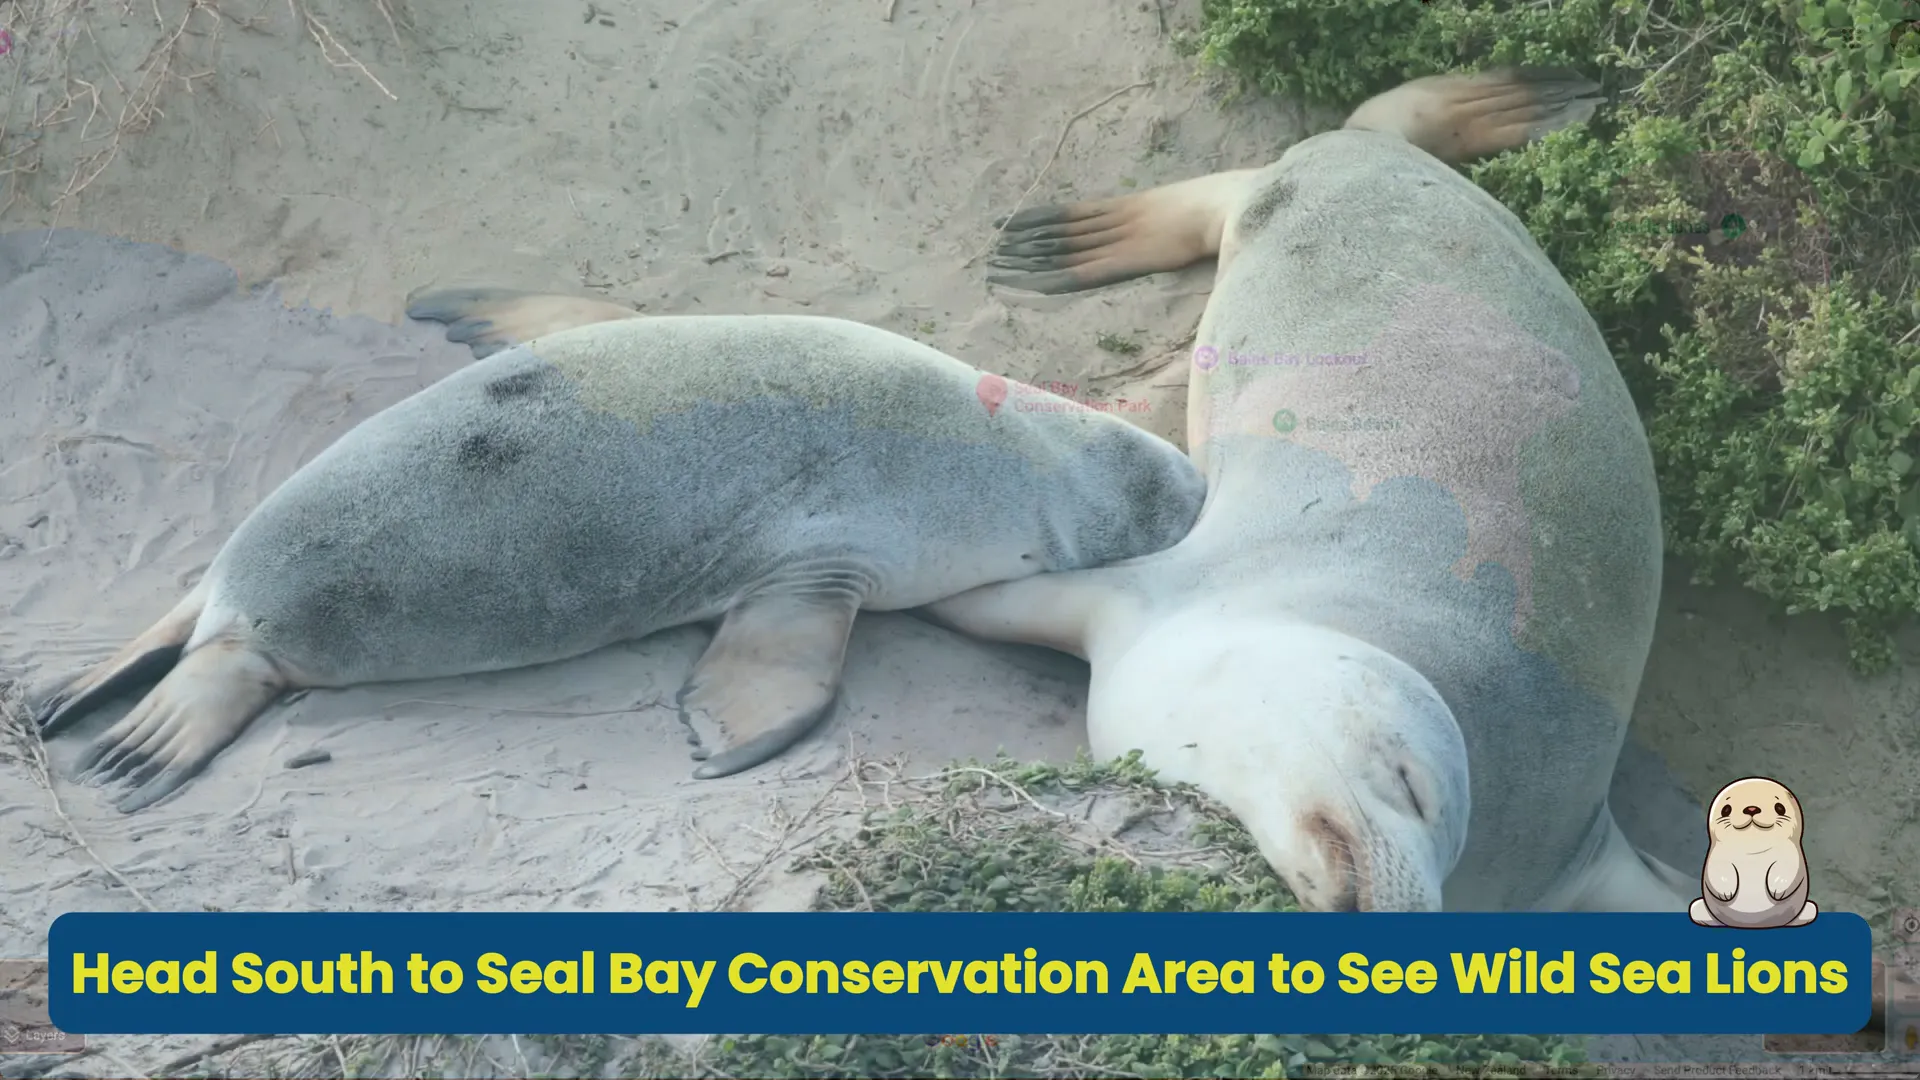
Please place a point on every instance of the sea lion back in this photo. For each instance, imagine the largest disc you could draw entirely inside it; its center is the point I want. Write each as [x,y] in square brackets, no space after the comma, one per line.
[639,474]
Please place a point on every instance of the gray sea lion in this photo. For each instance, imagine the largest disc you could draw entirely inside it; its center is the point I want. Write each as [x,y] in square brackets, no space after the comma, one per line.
[1403,641]
[1755,874]
[617,476]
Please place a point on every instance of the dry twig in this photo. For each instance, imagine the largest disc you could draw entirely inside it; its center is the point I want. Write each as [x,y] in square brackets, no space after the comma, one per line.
[774,849]
[26,735]
[47,31]
[336,53]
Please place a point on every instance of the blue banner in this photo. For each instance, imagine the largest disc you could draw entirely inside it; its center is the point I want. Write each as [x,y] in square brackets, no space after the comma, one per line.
[1012,973]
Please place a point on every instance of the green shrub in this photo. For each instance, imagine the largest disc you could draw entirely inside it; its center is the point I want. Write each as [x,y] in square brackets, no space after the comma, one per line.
[1009,837]
[1778,371]
[995,836]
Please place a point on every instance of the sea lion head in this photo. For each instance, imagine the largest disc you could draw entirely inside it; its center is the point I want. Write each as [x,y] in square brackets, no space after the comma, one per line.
[1754,807]
[1343,762]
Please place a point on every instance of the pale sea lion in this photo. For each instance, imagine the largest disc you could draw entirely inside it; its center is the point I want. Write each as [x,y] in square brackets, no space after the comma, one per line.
[617,476]
[1755,876]
[1403,641]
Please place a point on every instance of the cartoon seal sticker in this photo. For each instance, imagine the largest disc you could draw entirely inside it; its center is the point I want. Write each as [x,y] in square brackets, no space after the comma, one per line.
[1755,876]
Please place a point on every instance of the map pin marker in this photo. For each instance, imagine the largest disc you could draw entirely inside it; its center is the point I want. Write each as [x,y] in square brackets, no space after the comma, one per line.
[992,391]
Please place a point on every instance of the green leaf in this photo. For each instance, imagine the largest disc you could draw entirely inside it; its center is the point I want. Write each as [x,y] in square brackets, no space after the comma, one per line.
[1901,462]
[1843,94]
[1909,506]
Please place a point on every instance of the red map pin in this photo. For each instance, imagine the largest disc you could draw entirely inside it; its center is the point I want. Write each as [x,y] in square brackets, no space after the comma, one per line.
[992,391]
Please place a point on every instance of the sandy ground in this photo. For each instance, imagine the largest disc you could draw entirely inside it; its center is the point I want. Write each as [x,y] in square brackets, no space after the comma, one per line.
[747,156]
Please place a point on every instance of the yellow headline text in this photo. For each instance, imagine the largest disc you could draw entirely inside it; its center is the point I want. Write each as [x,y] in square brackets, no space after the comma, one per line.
[1515,972]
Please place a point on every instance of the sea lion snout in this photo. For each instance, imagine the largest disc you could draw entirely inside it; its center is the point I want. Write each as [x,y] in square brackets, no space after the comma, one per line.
[1345,887]
[1751,811]
[1352,861]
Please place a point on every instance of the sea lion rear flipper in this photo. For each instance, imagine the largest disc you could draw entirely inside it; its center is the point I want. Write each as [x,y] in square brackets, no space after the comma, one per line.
[1074,247]
[142,661]
[202,705]
[769,676]
[1462,118]
[490,319]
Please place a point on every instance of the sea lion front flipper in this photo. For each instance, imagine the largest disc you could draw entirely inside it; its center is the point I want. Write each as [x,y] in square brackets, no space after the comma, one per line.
[202,705]
[487,320]
[1462,118]
[143,660]
[769,676]
[1058,611]
[1073,247]
[1621,877]
[1783,877]
[1721,877]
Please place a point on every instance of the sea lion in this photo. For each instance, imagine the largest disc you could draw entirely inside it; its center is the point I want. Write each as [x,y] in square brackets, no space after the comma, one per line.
[1403,641]
[616,476]
[1755,875]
